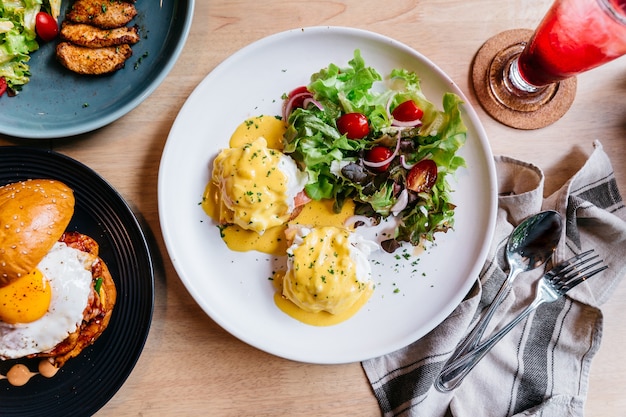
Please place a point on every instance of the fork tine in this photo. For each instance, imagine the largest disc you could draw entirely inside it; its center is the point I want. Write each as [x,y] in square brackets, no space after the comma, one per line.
[574,281]
[577,269]
[569,264]
[573,264]
[573,271]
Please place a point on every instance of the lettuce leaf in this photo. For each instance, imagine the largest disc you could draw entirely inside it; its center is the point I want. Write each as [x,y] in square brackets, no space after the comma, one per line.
[18,38]
[334,163]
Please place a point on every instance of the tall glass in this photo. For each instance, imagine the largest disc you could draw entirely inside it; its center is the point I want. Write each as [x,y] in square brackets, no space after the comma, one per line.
[573,37]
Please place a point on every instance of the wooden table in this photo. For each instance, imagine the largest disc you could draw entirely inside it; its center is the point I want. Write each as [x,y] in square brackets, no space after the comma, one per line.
[191,366]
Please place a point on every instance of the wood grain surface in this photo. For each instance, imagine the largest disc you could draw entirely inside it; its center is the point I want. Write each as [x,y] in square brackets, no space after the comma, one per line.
[190,366]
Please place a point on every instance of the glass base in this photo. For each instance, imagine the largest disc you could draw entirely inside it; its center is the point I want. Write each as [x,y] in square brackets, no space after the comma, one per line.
[532,108]
[510,89]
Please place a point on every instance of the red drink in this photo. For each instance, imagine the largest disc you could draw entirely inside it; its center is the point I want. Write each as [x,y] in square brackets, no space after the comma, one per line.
[574,36]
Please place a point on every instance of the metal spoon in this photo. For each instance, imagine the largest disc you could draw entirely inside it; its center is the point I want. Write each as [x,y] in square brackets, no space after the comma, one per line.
[530,245]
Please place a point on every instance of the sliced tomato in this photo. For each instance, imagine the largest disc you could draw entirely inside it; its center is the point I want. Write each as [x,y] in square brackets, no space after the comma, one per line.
[407,111]
[422,176]
[353,125]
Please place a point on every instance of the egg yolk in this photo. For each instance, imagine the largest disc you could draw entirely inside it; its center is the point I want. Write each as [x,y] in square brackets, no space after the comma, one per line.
[26,299]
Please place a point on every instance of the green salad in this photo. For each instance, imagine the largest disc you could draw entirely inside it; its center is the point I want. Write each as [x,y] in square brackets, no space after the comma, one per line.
[18,38]
[389,149]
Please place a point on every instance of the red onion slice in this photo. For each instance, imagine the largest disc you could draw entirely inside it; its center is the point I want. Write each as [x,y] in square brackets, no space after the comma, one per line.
[407,165]
[410,123]
[287,109]
[388,108]
[404,163]
[401,203]
[311,100]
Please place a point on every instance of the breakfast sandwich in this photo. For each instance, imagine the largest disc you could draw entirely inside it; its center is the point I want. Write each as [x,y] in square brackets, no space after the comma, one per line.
[56,294]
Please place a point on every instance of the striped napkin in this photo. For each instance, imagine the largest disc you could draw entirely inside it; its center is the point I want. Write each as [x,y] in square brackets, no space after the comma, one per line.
[542,366]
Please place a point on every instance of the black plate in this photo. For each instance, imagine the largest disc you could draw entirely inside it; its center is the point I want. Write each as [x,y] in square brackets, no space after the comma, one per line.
[58,103]
[88,381]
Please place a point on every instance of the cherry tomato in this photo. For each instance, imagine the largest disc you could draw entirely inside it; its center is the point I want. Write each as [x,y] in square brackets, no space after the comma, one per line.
[379,154]
[3,85]
[299,102]
[353,125]
[407,111]
[46,27]
[422,176]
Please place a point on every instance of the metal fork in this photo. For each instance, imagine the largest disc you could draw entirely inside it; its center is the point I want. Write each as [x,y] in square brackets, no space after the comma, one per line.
[552,286]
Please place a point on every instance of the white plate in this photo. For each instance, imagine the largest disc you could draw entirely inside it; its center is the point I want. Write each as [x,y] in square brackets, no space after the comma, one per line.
[411,297]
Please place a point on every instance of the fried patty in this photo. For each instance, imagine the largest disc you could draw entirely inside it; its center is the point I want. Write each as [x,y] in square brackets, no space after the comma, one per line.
[105,14]
[93,37]
[93,61]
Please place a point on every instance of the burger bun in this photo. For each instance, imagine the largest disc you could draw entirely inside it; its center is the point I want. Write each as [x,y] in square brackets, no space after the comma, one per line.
[33,216]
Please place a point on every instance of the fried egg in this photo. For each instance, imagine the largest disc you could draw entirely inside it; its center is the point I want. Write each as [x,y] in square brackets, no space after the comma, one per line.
[42,308]
[257,186]
[328,269]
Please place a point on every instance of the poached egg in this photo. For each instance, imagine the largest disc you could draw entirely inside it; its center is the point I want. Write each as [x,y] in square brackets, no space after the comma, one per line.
[257,186]
[328,269]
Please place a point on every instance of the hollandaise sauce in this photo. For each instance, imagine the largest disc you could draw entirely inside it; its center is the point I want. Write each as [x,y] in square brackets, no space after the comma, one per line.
[321,318]
[268,127]
[272,240]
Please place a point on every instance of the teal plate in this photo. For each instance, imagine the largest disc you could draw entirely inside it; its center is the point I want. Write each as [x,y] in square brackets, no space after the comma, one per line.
[58,103]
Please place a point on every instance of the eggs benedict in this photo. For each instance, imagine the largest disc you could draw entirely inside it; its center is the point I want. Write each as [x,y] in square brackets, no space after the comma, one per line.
[327,269]
[56,294]
[257,187]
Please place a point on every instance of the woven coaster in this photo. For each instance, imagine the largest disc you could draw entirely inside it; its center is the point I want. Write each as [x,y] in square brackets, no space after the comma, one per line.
[547,114]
